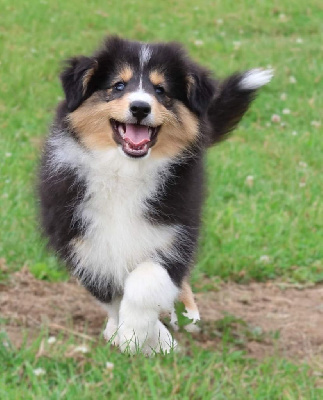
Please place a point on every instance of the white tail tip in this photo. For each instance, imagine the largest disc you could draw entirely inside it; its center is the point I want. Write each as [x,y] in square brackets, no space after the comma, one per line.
[255,78]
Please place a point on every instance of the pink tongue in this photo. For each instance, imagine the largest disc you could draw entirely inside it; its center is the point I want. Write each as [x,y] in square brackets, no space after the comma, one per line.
[137,134]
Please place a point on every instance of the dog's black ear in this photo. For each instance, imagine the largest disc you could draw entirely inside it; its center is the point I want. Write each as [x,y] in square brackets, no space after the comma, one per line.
[232,100]
[200,90]
[76,80]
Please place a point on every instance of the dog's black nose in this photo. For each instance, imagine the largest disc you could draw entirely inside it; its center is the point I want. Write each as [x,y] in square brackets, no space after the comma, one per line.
[140,109]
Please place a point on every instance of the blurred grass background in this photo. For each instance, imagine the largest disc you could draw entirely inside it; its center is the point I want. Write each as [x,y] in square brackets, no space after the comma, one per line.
[263,214]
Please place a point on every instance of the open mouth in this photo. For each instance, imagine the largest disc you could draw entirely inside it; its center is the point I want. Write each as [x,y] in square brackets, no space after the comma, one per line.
[135,139]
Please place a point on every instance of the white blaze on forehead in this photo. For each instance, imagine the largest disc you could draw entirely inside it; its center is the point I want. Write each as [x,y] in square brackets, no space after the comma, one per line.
[141,95]
[144,56]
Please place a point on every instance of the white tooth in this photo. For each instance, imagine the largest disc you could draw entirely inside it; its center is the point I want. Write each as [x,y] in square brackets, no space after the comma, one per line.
[121,130]
[150,131]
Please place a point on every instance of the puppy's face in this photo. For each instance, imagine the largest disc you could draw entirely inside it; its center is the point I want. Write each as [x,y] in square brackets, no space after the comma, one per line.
[143,98]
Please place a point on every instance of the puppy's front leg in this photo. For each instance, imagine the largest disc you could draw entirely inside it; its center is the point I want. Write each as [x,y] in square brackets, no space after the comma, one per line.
[148,291]
[111,330]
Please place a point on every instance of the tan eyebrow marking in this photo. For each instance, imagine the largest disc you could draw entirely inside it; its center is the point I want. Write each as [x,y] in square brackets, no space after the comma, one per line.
[126,73]
[156,77]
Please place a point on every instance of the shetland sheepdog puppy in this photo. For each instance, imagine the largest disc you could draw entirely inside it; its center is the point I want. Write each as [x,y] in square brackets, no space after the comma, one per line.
[121,178]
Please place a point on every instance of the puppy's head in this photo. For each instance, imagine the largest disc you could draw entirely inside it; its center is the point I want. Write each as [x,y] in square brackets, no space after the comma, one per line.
[142,98]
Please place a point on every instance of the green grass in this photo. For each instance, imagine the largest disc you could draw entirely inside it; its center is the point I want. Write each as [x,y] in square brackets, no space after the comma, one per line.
[201,375]
[279,216]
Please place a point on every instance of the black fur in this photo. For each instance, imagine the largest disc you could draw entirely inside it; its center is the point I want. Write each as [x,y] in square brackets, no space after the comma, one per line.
[60,194]
[72,80]
[180,203]
[227,108]
[219,106]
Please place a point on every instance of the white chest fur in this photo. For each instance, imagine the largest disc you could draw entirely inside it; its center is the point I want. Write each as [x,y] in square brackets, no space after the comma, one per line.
[117,235]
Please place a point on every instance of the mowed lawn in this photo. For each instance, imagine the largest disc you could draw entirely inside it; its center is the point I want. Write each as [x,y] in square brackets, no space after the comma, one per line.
[263,215]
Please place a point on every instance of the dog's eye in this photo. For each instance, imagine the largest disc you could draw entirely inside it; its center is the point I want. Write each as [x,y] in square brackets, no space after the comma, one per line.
[119,86]
[159,90]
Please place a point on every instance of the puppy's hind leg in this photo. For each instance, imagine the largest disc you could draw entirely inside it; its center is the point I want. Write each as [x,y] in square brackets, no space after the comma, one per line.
[186,296]
[148,291]
[191,310]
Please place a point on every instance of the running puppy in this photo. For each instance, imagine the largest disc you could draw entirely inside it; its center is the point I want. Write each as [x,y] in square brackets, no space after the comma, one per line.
[121,178]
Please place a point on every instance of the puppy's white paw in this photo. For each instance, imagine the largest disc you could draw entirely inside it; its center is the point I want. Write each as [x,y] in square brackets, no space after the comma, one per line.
[155,340]
[194,315]
[161,340]
[192,328]
[132,340]
[110,333]
[255,78]
[174,320]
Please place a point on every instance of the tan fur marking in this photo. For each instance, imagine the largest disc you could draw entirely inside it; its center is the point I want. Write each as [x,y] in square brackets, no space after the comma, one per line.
[91,121]
[186,296]
[176,133]
[76,242]
[190,83]
[156,77]
[126,73]
[87,76]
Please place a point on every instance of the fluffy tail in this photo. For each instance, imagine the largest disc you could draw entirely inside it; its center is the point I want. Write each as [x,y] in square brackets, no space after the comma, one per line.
[232,101]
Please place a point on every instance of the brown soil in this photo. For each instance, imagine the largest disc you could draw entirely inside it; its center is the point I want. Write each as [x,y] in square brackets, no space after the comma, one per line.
[294,315]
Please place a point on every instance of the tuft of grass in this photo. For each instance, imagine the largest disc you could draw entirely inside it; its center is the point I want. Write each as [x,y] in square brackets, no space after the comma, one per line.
[49,271]
[233,331]
[60,370]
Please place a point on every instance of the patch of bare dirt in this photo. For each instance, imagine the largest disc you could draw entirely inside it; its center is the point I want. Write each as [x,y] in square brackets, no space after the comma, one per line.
[62,307]
[293,315]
